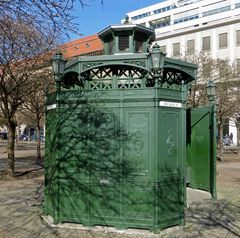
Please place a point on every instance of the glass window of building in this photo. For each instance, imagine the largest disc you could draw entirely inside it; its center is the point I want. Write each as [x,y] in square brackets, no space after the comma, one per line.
[109,45]
[206,43]
[163,49]
[176,49]
[223,41]
[238,38]
[190,47]
[123,43]
[139,40]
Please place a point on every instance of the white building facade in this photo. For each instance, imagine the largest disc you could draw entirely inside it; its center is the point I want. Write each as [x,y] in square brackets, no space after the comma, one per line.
[188,27]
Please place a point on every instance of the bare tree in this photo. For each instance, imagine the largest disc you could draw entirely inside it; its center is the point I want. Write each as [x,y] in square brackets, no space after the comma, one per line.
[223,73]
[45,14]
[197,95]
[33,107]
[18,62]
[28,29]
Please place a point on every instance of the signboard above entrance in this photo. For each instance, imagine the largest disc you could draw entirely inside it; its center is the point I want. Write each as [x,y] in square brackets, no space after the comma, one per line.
[170,104]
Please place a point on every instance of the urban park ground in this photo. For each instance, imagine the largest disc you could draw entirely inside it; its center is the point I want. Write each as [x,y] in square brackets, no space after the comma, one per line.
[21,198]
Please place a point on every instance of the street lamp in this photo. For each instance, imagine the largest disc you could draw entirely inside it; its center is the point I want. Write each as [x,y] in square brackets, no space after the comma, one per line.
[211,91]
[58,65]
[157,57]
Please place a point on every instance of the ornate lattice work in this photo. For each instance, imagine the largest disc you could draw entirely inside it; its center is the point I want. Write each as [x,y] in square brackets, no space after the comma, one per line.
[121,77]
[127,77]
[173,77]
[98,85]
[130,83]
[110,71]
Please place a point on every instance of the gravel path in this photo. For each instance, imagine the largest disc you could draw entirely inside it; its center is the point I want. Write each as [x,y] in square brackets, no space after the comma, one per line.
[20,209]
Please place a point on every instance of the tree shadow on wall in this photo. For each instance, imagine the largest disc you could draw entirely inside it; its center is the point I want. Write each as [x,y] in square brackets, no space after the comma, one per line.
[86,162]
[95,173]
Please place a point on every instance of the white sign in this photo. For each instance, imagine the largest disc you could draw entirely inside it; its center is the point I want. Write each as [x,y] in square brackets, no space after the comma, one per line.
[53,106]
[170,104]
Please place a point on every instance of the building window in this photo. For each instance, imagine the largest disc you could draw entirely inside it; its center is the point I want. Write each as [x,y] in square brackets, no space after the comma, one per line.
[223,41]
[162,22]
[163,49]
[184,19]
[238,38]
[139,40]
[146,14]
[216,11]
[176,49]
[109,45]
[164,9]
[190,47]
[123,43]
[206,43]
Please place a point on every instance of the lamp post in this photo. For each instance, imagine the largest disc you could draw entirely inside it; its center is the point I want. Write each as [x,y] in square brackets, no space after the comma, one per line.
[58,66]
[211,93]
[157,61]
[157,57]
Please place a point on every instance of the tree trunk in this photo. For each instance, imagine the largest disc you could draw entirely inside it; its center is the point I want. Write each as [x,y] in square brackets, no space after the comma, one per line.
[11,142]
[29,135]
[238,138]
[38,144]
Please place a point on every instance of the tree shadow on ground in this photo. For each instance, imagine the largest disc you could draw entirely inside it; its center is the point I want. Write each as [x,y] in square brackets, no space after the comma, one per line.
[222,215]
[25,167]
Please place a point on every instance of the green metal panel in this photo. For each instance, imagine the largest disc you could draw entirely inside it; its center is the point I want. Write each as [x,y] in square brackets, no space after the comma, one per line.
[201,161]
[51,167]
[119,159]
[171,180]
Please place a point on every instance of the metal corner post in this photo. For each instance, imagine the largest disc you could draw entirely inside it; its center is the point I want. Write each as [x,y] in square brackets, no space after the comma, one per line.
[156,227]
[184,192]
[211,91]
[58,110]
[213,148]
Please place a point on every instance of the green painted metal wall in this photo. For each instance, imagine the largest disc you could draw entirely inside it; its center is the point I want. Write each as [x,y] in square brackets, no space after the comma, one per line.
[201,149]
[116,157]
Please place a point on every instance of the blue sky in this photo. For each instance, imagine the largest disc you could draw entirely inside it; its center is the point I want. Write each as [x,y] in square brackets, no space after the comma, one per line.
[96,17]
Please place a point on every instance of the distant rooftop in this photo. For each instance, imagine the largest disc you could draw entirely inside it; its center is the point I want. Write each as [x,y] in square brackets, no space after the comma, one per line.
[90,45]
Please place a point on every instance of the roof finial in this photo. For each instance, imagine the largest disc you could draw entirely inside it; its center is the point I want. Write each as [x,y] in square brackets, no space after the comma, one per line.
[126,19]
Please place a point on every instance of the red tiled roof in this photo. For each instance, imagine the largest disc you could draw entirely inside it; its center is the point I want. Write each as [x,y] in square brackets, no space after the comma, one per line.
[90,45]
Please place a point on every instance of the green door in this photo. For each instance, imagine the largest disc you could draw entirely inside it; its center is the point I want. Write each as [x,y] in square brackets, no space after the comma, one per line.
[201,159]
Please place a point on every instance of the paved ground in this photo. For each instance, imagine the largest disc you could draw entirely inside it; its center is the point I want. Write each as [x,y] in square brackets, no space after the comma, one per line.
[20,206]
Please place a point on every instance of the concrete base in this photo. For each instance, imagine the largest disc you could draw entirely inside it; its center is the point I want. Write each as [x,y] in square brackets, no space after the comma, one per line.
[196,196]
[104,229]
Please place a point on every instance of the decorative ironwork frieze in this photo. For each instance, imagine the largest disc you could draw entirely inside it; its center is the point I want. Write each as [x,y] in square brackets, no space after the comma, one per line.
[101,85]
[90,65]
[141,63]
[73,68]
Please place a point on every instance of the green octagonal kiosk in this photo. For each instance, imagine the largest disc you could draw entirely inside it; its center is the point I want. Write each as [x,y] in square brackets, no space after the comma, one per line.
[116,148]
